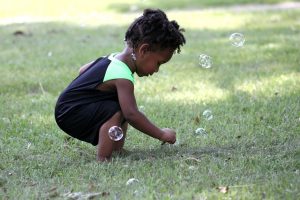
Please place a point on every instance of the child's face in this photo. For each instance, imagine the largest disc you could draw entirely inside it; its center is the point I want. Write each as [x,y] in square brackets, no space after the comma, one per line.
[148,62]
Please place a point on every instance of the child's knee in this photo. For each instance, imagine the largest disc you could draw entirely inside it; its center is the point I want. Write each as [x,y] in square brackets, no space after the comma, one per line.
[116,120]
[118,116]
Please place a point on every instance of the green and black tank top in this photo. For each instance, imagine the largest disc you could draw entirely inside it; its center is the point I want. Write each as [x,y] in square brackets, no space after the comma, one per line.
[83,89]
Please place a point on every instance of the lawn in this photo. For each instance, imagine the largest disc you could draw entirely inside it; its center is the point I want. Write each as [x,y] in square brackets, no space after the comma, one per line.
[251,146]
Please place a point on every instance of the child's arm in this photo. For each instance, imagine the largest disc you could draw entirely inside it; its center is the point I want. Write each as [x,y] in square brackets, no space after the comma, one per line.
[137,119]
[84,67]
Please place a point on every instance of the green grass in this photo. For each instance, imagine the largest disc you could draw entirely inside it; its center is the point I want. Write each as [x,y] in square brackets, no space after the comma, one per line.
[252,145]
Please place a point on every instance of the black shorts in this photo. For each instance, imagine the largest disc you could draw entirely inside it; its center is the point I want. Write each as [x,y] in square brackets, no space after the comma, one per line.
[84,122]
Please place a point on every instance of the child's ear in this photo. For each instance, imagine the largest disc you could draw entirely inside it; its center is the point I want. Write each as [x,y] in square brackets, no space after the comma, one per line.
[144,48]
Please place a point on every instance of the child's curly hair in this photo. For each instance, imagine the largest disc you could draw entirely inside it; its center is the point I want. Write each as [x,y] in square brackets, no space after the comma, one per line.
[154,28]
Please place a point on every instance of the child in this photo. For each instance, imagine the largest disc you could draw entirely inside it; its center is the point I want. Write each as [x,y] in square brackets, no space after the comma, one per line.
[102,95]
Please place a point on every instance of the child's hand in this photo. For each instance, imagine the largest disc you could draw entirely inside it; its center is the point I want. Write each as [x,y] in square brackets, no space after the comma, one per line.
[168,136]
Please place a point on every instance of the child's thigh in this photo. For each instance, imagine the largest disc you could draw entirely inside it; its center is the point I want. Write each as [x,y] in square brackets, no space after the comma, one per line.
[84,124]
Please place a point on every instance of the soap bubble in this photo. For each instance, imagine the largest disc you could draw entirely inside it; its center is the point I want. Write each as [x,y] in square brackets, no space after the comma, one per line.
[205,61]
[237,39]
[131,181]
[200,131]
[207,114]
[142,109]
[115,133]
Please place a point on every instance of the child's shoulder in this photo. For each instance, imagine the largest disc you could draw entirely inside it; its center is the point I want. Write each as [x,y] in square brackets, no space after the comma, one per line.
[118,70]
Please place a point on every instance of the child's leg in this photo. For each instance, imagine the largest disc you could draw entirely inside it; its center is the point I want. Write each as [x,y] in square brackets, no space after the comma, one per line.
[118,146]
[105,144]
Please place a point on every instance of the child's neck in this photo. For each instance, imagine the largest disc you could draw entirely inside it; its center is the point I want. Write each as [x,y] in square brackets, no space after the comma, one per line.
[125,56]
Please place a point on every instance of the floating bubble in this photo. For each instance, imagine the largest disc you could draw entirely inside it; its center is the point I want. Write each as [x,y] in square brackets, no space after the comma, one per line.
[131,181]
[200,131]
[237,39]
[115,133]
[142,109]
[205,61]
[207,114]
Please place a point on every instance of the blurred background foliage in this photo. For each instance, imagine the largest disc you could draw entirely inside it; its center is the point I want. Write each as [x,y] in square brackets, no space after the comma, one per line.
[51,8]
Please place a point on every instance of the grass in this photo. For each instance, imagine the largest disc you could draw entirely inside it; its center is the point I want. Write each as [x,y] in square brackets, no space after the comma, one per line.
[252,142]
